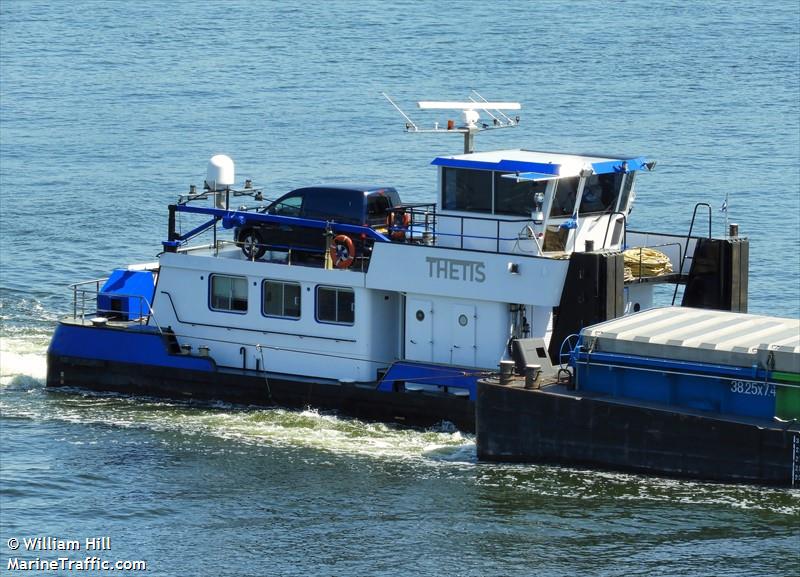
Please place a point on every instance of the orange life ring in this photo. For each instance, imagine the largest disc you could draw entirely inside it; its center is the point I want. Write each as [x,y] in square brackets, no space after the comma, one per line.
[343,251]
[393,220]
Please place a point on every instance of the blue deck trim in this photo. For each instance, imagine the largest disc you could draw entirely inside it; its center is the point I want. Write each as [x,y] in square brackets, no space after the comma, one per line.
[619,165]
[530,176]
[503,165]
[202,228]
[430,374]
[139,345]
[540,170]
[634,361]
[232,218]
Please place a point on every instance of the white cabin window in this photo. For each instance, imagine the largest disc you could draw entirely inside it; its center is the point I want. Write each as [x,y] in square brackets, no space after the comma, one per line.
[466,189]
[336,305]
[228,293]
[625,195]
[564,199]
[280,299]
[600,193]
[516,198]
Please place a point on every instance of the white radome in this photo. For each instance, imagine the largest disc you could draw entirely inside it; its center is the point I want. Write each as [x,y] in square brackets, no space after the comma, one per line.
[220,173]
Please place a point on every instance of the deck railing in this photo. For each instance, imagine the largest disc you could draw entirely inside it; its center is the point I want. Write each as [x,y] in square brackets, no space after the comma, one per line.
[87,292]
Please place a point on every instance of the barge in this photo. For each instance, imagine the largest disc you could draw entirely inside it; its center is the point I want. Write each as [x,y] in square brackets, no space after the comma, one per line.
[346,298]
[679,391]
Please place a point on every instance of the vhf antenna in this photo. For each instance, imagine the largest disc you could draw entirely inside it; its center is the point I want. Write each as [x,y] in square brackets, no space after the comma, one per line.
[470,114]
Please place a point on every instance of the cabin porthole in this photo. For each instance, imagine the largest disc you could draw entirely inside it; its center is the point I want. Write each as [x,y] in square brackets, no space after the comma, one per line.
[463,320]
[420,315]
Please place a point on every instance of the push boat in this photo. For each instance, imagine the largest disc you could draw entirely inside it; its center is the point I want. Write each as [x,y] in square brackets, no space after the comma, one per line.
[394,314]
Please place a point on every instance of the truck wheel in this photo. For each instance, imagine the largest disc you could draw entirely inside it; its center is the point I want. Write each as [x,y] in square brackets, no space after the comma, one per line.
[252,244]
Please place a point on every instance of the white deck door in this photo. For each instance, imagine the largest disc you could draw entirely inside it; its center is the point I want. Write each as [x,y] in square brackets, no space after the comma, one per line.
[419,330]
[463,323]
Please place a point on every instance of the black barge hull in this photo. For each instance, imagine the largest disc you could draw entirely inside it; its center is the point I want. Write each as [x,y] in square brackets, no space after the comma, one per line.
[559,427]
[407,408]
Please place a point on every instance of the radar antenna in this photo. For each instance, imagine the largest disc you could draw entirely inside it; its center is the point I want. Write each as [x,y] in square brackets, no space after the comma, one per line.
[470,115]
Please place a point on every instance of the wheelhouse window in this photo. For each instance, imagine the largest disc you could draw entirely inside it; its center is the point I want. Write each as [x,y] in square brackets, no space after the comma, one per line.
[228,293]
[625,195]
[564,199]
[467,190]
[280,299]
[515,198]
[600,193]
[335,305]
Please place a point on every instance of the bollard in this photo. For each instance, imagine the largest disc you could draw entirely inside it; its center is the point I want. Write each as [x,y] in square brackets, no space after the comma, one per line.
[733,230]
[506,372]
[203,350]
[532,373]
[589,245]
[186,349]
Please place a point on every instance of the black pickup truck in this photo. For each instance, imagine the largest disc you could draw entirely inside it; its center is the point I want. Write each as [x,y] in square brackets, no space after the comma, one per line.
[359,205]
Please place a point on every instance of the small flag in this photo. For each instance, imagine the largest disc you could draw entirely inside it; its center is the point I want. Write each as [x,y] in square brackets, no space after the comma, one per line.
[724,207]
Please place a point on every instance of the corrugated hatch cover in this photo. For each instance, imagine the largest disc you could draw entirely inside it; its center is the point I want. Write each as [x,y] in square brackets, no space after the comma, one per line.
[704,336]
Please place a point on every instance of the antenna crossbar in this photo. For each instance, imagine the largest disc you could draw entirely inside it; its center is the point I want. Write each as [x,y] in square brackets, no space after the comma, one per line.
[471,121]
[467,105]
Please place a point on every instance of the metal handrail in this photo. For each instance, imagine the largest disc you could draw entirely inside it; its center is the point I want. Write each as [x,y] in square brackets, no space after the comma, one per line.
[425,216]
[74,288]
[689,236]
[640,248]
[142,301]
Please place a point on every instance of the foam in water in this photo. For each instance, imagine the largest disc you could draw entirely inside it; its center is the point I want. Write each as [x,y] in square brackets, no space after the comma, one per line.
[21,358]
[439,451]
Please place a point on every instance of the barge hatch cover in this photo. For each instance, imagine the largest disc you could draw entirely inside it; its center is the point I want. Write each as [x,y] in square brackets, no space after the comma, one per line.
[701,335]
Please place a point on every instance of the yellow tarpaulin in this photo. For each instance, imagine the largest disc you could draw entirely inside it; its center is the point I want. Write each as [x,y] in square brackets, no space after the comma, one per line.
[644,262]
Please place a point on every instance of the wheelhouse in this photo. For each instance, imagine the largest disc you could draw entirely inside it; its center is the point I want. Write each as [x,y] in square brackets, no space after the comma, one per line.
[563,200]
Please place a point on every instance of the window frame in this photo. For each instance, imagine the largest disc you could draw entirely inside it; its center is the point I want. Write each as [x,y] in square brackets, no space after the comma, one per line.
[557,201]
[280,206]
[600,181]
[337,290]
[531,186]
[211,294]
[472,173]
[626,194]
[283,284]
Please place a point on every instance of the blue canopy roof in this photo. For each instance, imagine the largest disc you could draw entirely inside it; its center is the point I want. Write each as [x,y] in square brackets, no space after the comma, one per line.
[533,167]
